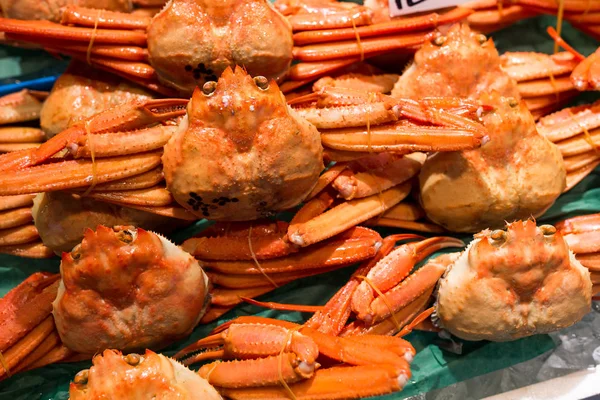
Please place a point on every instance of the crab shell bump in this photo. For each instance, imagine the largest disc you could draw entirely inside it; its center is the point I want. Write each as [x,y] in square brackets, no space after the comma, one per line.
[515,283]
[151,376]
[129,289]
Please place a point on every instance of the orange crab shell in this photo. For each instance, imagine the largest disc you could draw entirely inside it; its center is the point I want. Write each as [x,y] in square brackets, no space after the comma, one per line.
[241,153]
[517,174]
[462,63]
[514,283]
[128,289]
[193,41]
[152,375]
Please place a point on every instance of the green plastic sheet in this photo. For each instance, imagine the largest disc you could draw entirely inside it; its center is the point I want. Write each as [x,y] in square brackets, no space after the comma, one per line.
[434,367]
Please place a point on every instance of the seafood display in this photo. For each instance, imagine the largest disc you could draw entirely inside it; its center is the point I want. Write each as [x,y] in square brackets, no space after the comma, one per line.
[274,142]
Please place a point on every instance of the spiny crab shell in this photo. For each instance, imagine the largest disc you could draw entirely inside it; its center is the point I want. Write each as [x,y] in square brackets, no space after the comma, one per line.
[513,283]
[518,173]
[463,63]
[192,41]
[151,376]
[241,153]
[129,289]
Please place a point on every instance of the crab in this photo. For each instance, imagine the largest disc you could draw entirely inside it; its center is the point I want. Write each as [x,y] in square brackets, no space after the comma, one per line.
[498,290]
[82,92]
[132,376]
[157,52]
[518,173]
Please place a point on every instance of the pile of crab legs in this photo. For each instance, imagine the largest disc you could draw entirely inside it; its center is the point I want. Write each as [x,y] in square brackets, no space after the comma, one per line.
[250,250]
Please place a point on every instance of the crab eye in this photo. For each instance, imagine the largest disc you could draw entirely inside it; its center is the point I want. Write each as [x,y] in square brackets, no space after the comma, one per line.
[132,359]
[481,39]
[498,237]
[548,230]
[209,88]
[439,41]
[82,377]
[76,252]
[513,102]
[125,236]
[261,82]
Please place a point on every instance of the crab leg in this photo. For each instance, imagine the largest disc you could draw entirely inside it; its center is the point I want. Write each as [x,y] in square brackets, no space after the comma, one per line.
[486,21]
[390,171]
[332,384]
[393,324]
[345,15]
[151,197]
[525,66]
[173,211]
[29,250]
[424,22]
[591,261]
[49,30]
[17,352]
[246,281]
[26,306]
[10,202]
[141,181]
[573,178]
[73,15]
[542,87]
[549,102]
[582,234]
[312,209]
[19,235]
[402,137]
[408,225]
[15,217]
[21,135]
[223,297]
[352,48]
[390,273]
[246,244]
[75,173]
[116,119]
[21,106]
[570,122]
[121,52]
[326,178]
[49,343]
[354,245]
[580,144]
[345,216]
[336,312]
[587,74]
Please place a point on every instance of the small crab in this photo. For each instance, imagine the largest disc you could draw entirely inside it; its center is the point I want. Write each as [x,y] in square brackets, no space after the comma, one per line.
[149,376]
[513,283]
[129,289]
[462,63]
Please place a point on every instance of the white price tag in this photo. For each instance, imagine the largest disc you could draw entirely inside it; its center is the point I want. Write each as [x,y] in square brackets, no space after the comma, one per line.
[404,7]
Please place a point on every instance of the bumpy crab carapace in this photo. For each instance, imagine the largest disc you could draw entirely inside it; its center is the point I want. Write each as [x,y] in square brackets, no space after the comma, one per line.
[513,283]
[129,289]
[241,141]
